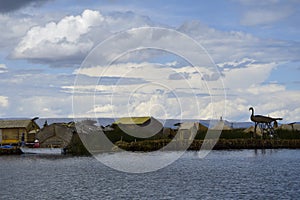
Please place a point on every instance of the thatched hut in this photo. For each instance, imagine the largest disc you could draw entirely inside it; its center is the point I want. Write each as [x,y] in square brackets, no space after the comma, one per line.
[140,127]
[188,130]
[56,135]
[251,130]
[290,127]
[14,131]
[220,125]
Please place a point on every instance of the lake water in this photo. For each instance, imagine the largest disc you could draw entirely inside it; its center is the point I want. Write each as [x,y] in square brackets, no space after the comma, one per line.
[244,174]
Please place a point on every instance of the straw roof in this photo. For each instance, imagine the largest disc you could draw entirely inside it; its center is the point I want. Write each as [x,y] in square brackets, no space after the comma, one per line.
[251,129]
[188,125]
[132,120]
[15,123]
[142,127]
[220,125]
[56,134]
[290,127]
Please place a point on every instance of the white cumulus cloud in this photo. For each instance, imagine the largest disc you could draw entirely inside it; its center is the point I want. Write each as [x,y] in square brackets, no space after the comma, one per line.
[59,40]
[3,68]
[3,101]
[71,38]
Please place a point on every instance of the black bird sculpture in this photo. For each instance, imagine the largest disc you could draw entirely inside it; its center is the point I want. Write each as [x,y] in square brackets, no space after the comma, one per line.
[260,119]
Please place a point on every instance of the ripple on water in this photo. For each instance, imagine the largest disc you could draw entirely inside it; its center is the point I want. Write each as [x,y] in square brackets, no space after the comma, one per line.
[245,174]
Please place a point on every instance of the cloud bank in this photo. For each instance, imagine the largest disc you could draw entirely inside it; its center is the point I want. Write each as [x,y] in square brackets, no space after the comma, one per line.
[245,63]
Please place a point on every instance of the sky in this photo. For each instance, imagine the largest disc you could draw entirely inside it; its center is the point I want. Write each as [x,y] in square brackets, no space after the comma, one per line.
[167,59]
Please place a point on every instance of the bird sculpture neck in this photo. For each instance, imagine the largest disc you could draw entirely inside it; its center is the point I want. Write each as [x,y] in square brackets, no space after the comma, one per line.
[252,111]
[252,114]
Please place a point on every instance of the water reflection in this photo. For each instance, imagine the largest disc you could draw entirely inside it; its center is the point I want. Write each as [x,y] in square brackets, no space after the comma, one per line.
[258,152]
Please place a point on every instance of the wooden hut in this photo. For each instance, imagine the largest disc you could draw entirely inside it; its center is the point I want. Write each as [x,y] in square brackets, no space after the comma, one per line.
[11,131]
[56,135]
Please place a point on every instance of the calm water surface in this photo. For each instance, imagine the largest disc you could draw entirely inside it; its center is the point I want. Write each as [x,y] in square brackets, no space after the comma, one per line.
[245,174]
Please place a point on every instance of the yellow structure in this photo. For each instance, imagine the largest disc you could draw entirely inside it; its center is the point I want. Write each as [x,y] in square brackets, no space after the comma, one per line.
[133,120]
[140,127]
[11,131]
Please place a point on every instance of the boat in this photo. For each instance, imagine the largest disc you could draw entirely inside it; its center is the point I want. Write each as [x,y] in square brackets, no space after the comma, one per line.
[6,147]
[9,149]
[49,151]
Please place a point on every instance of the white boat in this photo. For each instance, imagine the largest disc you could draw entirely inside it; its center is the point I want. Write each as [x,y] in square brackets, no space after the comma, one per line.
[48,151]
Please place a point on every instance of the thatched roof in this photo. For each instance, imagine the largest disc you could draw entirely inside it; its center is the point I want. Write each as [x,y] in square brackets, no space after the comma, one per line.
[220,125]
[188,125]
[15,123]
[56,134]
[251,129]
[142,127]
[132,120]
[290,127]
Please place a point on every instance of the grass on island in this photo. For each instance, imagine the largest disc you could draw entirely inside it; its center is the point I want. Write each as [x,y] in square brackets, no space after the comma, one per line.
[229,139]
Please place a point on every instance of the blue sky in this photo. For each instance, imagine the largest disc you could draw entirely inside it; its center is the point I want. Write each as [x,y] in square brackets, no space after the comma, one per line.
[255,46]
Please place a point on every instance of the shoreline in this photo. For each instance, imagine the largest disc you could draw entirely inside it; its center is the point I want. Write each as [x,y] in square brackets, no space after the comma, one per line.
[222,144]
[195,145]
[228,140]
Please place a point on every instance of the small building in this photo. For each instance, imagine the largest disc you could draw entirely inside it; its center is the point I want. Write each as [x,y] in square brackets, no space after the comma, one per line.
[188,130]
[201,127]
[14,131]
[140,127]
[56,135]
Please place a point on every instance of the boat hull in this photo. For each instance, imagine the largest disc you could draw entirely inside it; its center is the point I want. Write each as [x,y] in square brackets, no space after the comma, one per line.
[51,151]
